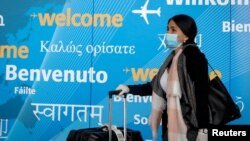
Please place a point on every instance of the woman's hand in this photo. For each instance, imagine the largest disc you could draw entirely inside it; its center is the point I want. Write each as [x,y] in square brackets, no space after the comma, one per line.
[124,89]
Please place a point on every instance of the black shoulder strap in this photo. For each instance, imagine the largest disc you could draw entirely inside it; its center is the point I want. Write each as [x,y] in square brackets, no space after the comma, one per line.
[212,69]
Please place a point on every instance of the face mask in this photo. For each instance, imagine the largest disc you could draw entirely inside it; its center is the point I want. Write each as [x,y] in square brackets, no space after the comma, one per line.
[171,41]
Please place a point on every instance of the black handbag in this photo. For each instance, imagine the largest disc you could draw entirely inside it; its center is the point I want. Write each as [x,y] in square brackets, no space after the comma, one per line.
[222,108]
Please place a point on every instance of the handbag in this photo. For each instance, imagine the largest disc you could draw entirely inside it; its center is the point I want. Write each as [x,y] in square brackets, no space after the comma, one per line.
[222,108]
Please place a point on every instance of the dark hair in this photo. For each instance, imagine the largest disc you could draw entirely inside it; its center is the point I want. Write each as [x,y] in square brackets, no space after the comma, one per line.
[187,26]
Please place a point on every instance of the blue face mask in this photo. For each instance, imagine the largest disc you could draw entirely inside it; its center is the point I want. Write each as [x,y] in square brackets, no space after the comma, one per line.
[171,41]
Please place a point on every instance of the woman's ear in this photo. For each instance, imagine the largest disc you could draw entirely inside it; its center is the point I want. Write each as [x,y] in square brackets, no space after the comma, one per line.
[185,39]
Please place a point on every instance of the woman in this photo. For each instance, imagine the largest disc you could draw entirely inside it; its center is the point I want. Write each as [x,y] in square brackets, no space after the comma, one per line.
[180,88]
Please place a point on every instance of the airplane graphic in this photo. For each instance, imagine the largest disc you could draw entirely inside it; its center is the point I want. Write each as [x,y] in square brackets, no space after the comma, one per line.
[144,11]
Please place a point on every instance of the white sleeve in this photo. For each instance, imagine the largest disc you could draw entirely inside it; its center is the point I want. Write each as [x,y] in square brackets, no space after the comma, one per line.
[158,103]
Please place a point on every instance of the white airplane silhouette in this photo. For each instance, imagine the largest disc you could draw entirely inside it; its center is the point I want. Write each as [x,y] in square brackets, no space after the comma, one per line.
[144,11]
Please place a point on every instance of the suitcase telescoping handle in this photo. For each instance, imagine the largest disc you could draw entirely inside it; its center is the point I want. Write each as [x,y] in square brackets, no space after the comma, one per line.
[111,93]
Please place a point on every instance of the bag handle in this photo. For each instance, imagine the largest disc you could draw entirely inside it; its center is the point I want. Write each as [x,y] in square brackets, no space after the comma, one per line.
[212,69]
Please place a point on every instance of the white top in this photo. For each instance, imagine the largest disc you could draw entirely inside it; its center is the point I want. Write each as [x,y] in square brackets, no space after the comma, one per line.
[163,80]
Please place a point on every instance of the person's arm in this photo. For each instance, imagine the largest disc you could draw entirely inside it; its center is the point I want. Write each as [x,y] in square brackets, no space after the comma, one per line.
[141,89]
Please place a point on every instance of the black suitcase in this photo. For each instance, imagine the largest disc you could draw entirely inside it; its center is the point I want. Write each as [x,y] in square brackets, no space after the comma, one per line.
[101,134]
[105,133]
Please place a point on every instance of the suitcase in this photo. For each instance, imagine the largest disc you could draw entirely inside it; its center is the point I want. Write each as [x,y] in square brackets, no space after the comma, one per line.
[105,133]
